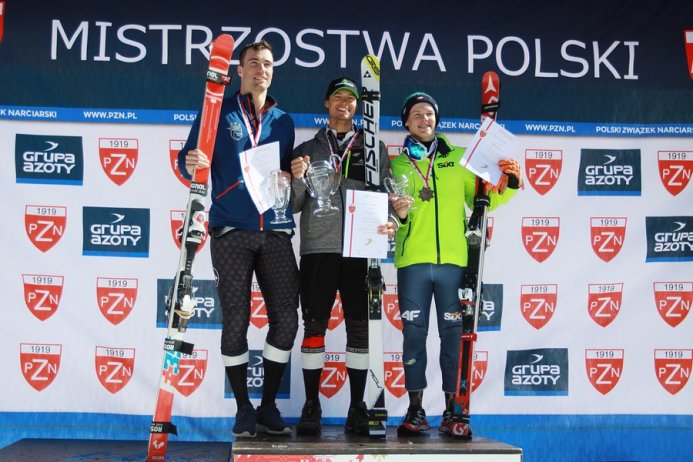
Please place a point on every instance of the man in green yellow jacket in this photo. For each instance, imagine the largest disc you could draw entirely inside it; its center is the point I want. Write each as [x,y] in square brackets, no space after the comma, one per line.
[431,248]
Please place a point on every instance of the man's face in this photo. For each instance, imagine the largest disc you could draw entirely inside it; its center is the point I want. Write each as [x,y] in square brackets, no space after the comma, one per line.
[256,70]
[341,105]
[421,122]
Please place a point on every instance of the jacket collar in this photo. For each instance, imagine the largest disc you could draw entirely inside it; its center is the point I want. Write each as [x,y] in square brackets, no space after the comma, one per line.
[444,146]
[248,106]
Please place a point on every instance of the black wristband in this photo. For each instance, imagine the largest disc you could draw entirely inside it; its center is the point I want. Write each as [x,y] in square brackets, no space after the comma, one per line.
[513,181]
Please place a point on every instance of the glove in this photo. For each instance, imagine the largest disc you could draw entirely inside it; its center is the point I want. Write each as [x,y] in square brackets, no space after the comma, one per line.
[513,172]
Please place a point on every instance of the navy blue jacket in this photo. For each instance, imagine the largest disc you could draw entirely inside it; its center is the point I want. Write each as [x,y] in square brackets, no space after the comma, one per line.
[231,201]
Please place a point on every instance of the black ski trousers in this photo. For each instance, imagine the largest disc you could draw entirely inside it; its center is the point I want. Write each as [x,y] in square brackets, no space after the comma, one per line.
[322,275]
[269,254]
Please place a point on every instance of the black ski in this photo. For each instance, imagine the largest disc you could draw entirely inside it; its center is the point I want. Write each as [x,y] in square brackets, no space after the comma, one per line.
[377,414]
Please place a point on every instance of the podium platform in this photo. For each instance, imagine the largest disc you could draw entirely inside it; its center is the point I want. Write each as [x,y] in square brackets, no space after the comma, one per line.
[332,446]
[51,450]
[336,446]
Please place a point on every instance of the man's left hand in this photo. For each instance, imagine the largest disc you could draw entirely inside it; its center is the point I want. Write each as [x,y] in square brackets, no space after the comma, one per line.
[511,168]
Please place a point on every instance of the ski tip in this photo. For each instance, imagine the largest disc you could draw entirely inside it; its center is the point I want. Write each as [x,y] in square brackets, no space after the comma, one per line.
[222,46]
[220,60]
[371,59]
[370,68]
[490,82]
[490,95]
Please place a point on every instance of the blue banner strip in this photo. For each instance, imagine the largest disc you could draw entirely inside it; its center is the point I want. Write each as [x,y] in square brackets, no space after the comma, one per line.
[103,253]
[542,437]
[519,127]
[100,115]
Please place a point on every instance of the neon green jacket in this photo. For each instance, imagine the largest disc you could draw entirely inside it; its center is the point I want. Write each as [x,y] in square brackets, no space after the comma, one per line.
[434,231]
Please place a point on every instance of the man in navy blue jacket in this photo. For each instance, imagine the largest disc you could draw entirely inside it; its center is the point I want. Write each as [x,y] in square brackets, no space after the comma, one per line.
[244,241]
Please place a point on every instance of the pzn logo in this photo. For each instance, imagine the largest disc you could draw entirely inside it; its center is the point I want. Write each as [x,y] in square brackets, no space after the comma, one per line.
[192,369]
[40,363]
[675,169]
[114,367]
[42,294]
[333,374]
[394,374]
[258,309]
[673,301]
[604,302]
[45,225]
[116,297]
[543,168]
[118,158]
[337,313]
[540,236]
[604,368]
[538,303]
[607,236]
[479,368]
[673,368]
[391,306]
[174,147]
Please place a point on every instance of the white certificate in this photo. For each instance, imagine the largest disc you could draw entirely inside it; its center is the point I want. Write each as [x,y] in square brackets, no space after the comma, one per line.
[365,211]
[490,144]
[256,164]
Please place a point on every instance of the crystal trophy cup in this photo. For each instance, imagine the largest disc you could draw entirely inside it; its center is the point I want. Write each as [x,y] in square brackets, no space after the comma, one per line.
[322,181]
[401,187]
[280,191]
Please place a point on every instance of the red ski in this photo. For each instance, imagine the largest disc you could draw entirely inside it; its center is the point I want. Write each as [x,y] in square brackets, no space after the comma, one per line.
[181,305]
[2,17]
[470,293]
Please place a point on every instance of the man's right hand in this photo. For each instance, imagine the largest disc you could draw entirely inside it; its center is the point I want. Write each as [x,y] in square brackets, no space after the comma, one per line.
[299,166]
[195,159]
[401,205]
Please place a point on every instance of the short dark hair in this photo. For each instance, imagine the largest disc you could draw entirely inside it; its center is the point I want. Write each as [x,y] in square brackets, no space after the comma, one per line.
[257,46]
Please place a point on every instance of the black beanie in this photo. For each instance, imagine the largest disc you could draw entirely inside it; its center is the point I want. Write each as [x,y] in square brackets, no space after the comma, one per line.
[415,98]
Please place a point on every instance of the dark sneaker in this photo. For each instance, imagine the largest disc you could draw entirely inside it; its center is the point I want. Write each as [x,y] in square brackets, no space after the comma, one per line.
[447,423]
[357,420]
[414,422]
[310,423]
[245,422]
[269,421]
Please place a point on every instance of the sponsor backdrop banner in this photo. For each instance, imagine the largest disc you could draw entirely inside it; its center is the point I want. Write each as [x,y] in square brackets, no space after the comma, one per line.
[586,320]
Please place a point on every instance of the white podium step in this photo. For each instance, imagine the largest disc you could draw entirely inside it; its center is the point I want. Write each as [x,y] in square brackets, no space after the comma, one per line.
[336,446]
